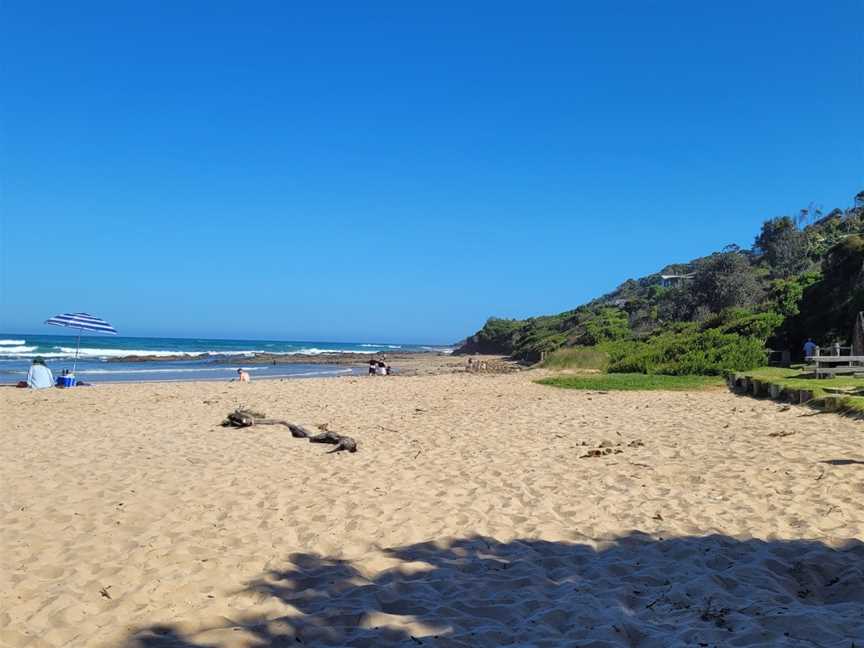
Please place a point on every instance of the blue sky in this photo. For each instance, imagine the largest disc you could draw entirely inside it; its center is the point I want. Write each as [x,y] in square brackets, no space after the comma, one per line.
[400,172]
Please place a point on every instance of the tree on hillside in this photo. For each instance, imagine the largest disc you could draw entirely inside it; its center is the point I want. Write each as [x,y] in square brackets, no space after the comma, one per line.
[810,214]
[845,261]
[783,246]
[676,304]
[828,307]
[725,280]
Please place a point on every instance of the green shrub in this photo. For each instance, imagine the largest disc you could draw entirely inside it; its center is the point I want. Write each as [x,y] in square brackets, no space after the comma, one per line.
[710,352]
[786,294]
[608,324]
[754,325]
[536,342]
[577,358]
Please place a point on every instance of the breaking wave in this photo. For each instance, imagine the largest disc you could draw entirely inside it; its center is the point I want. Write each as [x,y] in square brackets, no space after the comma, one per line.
[16,350]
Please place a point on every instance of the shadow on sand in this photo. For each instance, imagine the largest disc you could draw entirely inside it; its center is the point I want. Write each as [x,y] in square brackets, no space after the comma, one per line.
[634,590]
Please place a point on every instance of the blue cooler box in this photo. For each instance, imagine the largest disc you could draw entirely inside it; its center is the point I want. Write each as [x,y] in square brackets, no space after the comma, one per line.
[65,381]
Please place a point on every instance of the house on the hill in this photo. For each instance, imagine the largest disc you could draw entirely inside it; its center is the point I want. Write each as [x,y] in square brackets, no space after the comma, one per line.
[675,280]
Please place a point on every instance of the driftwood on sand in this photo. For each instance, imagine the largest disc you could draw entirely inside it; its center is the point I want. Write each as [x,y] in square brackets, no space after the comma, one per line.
[242,418]
[341,442]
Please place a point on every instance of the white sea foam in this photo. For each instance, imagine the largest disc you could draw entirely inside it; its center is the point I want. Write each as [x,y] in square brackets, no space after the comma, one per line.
[118,353]
[69,352]
[12,342]
[22,352]
[314,351]
[15,350]
[17,357]
[121,353]
[158,353]
[446,350]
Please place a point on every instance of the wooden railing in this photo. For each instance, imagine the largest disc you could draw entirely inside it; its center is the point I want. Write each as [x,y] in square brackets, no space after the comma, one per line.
[834,350]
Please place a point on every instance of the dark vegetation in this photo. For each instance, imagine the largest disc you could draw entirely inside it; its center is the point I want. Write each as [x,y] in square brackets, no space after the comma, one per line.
[803,277]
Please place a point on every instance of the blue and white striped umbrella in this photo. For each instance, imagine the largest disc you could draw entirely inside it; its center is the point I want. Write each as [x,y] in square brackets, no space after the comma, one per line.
[82,322]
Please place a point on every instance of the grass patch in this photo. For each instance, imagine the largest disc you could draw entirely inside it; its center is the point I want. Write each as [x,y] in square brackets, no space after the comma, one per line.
[840,394]
[584,358]
[634,382]
[853,404]
[797,378]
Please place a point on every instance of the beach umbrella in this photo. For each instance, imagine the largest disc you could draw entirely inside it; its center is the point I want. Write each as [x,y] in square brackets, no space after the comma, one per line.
[82,322]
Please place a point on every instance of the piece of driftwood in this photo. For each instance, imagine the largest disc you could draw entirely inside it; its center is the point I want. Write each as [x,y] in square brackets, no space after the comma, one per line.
[240,418]
[341,442]
[298,431]
[247,418]
[243,418]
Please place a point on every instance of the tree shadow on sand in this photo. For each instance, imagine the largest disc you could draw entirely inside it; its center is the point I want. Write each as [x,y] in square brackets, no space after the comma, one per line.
[634,590]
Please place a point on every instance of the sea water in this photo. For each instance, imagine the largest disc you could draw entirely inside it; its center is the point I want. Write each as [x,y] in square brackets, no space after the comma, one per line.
[100,358]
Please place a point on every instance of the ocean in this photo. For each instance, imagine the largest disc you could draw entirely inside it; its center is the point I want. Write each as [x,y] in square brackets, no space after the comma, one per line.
[101,357]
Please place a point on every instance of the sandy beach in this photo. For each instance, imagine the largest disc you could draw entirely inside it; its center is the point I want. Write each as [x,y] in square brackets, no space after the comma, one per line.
[473,514]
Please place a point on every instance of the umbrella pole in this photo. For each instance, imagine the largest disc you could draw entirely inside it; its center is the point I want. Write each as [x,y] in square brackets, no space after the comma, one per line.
[77,348]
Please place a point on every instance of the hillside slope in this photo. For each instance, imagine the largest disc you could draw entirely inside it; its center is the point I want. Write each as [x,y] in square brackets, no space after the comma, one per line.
[803,277]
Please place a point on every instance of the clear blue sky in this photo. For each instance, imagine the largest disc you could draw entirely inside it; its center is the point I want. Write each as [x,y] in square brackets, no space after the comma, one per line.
[394,172]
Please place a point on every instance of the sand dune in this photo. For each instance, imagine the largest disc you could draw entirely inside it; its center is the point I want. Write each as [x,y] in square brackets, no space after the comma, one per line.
[467,518]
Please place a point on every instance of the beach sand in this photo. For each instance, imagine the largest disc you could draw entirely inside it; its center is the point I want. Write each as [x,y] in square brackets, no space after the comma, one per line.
[468,517]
